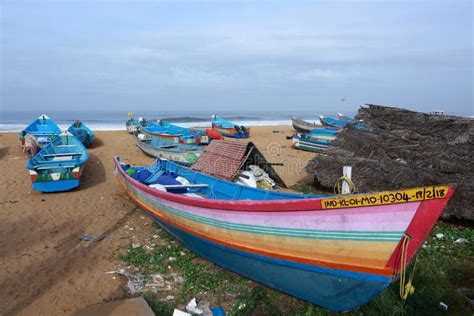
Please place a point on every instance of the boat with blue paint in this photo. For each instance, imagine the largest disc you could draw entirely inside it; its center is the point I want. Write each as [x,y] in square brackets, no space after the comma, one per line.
[338,252]
[307,143]
[229,129]
[159,148]
[43,129]
[168,133]
[59,165]
[346,118]
[82,132]
[131,124]
[204,137]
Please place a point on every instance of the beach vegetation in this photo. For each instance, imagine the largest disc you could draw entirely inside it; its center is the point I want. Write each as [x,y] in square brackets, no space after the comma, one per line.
[444,265]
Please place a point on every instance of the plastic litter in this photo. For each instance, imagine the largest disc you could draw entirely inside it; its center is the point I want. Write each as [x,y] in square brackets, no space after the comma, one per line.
[88,237]
[460,241]
[135,282]
[218,311]
[177,312]
[443,306]
[192,307]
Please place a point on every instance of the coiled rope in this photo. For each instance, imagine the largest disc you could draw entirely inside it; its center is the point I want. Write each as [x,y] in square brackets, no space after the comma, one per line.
[408,288]
[338,185]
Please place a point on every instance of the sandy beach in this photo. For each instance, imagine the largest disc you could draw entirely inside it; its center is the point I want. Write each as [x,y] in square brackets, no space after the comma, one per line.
[45,268]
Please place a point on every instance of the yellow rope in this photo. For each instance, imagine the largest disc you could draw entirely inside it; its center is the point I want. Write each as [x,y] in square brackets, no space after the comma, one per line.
[408,288]
[340,181]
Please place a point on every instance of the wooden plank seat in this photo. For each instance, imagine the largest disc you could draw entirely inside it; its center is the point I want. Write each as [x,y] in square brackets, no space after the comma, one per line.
[56,161]
[52,167]
[62,154]
[180,186]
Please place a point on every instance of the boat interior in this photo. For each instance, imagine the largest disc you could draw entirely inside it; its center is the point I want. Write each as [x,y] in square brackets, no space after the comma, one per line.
[167,176]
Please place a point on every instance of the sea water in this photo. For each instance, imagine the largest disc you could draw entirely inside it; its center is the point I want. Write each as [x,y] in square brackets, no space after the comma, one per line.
[15,121]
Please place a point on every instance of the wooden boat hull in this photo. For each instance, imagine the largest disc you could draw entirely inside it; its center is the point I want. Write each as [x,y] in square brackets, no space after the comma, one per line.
[83,133]
[332,122]
[231,132]
[44,129]
[65,180]
[59,165]
[337,252]
[303,126]
[310,144]
[184,158]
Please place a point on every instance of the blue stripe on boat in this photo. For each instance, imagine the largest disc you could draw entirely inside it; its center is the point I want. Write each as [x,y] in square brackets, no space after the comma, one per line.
[349,289]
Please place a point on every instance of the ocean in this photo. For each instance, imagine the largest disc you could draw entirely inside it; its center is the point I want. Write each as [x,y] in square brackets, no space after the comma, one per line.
[15,121]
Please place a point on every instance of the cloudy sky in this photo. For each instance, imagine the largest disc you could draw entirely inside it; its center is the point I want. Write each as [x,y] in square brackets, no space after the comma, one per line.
[237,55]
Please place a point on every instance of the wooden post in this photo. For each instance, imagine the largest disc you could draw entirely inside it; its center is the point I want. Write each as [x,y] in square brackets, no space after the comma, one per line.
[346,172]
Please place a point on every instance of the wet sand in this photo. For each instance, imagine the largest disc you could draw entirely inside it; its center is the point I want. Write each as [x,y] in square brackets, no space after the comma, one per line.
[45,269]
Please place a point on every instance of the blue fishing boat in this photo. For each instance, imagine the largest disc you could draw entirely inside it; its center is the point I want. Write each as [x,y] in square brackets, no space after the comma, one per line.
[339,123]
[82,132]
[43,129]
[159,148]
[229,129]
[322,133]
[338,252]
[332,122]
[203,136]
[59,165]
[304,142]
[168,133]
[131,124]
[346,118]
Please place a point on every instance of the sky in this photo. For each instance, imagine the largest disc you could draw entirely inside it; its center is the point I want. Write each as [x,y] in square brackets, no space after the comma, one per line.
[239,56]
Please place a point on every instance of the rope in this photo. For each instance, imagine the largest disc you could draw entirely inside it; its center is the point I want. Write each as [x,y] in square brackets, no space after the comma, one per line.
[408,288]
[340,181]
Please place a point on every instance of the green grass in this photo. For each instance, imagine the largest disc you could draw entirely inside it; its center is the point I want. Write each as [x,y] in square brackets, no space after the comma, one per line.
[442,267]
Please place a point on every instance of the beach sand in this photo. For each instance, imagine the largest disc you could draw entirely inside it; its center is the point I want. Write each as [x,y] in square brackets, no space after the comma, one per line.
[45,269]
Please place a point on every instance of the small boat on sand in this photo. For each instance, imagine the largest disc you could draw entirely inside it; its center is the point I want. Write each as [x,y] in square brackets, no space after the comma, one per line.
[82,132]
[168,133]
[59,165]
[43,129]
[338,252]
[345,118]
[158,148]
[332,122]
[322,133]
[229,129]
[203,135]
[305,142]
[303,126]
[131,124]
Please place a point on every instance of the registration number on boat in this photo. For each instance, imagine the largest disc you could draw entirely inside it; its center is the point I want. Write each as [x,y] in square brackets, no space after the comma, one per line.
[411,195]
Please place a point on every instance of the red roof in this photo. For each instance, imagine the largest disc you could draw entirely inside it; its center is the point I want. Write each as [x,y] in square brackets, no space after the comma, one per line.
[222,158]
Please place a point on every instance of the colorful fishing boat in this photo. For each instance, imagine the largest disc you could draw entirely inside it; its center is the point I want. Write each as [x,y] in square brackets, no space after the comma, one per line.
[43,129]
[204,138]
[168,133]
[229,129]
[303,126]
[131,124]
[158,148]
[341,123]
[59,165]
[304,142]
[345,118]
[82,132]
[338,252]
[322,133]
[332,122]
